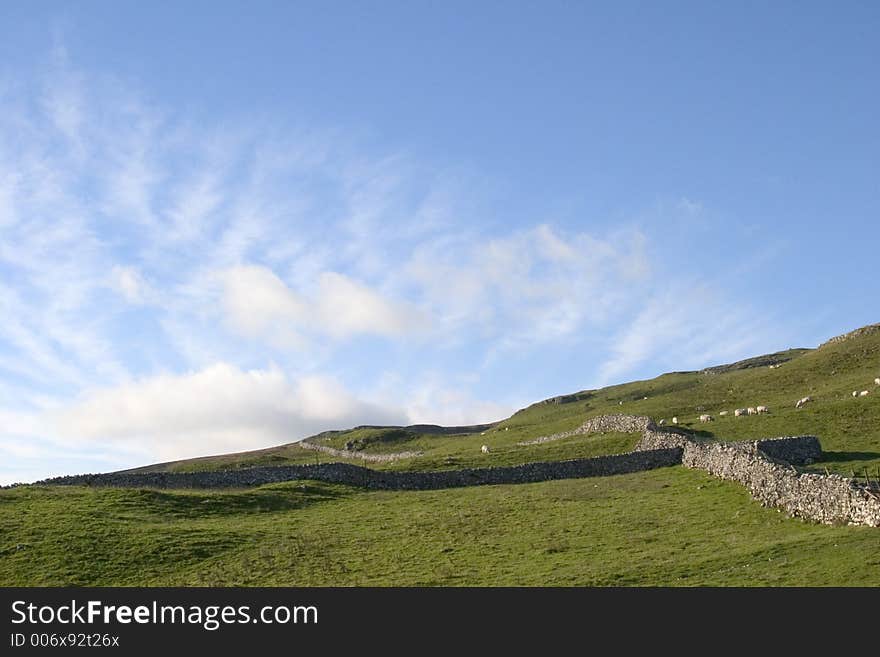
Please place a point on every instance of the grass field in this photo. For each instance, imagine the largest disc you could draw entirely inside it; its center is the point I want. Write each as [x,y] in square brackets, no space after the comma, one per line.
[665,527]
[670,526]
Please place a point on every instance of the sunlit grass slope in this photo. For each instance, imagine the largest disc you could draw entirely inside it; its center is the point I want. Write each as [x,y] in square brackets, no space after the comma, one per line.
[671,526]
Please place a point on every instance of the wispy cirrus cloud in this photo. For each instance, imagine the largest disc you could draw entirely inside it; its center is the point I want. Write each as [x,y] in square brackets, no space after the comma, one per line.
[174,284]
[684,327]
[532,286]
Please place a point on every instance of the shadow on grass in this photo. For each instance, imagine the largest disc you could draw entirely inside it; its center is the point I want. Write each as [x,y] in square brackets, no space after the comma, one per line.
[838,457]
[690,432]
[200,503]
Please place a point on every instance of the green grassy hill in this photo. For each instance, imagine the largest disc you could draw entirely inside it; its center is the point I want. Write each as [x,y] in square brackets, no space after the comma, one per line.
[848,427]
[670,526]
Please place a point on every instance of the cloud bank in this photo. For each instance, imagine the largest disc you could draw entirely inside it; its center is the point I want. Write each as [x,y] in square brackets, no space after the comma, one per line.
[215,410]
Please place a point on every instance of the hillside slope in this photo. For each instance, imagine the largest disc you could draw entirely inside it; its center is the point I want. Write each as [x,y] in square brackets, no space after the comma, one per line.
[668,527]
[848,427]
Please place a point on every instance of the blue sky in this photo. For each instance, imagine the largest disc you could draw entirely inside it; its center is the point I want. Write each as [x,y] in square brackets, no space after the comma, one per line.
[230,225]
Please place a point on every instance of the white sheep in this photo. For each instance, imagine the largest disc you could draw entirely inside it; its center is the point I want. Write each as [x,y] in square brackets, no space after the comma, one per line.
[723,413]
[661,423]
[706,418]
[740,412]
[762,409]
[877,381]
[484,449]
[675,420]
[751,410]
[864,393]
[803,401]
[855,393]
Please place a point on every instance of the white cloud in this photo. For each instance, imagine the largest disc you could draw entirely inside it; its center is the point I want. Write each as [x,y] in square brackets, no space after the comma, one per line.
[62,98]
[439,404]
[258,303]
[442,397]
[128,282]
[551,246]
[347,307]
[215,410]
[531,286]
[195,207]
[17,424]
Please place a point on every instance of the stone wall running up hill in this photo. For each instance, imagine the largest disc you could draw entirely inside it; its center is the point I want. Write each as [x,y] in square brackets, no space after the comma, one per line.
[620,423]
[829,499]
[661,439]
[354,475]
[363,456]
[765,468]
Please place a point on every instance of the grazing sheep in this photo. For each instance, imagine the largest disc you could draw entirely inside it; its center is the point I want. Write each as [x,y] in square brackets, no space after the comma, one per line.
[864,393]
[762,409]
[855,393]
[803,402]
[740,412]
[877,381]
[751,410]
[723,413]
[675,420]
[484,449]
[706,418]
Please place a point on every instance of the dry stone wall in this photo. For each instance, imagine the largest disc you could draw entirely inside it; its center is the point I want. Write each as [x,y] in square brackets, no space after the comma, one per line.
[621,423]
[655,438]
[799,450]
[766,469]
[550,438]
[355,475]
[601,424]
[829,499]
[352,454]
